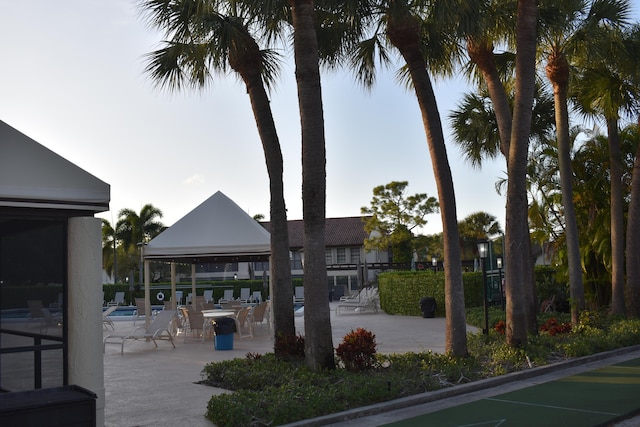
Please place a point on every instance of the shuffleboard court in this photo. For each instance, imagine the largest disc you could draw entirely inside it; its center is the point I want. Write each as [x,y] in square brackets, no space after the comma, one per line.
[590,398]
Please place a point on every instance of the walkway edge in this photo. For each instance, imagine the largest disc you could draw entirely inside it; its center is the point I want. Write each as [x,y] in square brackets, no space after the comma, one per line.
[457,390]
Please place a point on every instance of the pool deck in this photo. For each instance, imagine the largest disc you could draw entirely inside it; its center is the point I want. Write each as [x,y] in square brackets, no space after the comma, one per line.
[157,387]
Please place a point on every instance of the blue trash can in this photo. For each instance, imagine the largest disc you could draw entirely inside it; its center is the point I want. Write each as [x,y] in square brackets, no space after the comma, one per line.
[223,342]
[224,329]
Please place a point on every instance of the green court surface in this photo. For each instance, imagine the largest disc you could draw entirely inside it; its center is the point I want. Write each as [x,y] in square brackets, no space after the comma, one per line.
[588,399]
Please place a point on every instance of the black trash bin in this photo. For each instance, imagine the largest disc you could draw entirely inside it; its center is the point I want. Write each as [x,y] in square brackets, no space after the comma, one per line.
[428,307]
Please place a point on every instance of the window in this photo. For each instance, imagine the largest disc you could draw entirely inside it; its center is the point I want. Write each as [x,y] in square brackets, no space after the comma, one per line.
[354,254]
[341,255]
[328,256]
[32,291]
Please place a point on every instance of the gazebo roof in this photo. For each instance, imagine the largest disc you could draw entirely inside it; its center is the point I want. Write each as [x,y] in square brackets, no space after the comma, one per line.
[32,176]
[217,230]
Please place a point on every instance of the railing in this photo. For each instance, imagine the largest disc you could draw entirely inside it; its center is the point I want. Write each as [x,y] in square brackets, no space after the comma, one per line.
[37,348]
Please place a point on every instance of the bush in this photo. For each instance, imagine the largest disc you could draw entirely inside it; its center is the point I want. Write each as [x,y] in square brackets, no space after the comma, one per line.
[357,352]
[289,347]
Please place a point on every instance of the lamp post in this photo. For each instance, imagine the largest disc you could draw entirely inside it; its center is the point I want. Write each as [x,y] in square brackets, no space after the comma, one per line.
[434,263]
[499,265]
[483,250]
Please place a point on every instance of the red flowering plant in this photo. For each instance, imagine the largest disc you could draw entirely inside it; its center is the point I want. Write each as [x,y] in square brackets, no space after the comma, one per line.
[357,351]
[500,327]
[552,327]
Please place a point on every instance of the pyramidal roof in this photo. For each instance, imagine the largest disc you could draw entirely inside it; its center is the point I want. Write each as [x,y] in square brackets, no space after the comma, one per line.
[216,231]
[32,176]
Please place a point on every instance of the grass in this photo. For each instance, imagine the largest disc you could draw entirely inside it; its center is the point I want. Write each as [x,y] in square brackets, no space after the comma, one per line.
[270,391]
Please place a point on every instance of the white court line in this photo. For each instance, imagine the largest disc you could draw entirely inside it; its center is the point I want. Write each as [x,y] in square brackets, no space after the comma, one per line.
[551,406]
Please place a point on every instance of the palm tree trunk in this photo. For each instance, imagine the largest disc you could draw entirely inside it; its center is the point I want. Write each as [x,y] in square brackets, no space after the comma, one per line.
[617,219]
[403,32]
[483,57]
[319,352]
[576,286]
[633,242]
[281,289]
[518,306]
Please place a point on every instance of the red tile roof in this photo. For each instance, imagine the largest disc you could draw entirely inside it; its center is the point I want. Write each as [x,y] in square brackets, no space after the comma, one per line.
[347,231]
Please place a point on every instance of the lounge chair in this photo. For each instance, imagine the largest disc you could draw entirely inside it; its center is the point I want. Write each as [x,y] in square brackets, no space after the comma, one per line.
[178,297]
[298,297]
[106,319]
[228,296]
[157,330]
[367,300]
[245,293]
[208,295]
[257,296]
[118,299]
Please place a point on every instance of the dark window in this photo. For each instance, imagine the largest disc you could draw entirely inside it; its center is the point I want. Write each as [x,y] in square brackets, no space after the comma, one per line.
[32,297]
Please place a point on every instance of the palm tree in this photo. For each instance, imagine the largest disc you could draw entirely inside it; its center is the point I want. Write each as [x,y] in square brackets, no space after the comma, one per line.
[274,16]
[411,28]
[133,228]
[606,90]
[561,43]
[519,310]
[204,41]
[492,25]
[477,226]
[109,257]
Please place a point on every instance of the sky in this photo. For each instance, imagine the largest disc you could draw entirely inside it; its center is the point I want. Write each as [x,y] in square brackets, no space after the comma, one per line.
[73,80]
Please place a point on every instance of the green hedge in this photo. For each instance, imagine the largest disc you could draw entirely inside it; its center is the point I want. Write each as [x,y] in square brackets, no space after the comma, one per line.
[401,291]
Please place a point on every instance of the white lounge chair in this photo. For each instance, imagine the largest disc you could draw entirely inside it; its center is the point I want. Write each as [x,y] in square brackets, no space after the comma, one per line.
[298,297]
[245,293]
[106,319]
[257,296]
[118,299]
[367,300]
[228,296]
[157,330]
[208,295]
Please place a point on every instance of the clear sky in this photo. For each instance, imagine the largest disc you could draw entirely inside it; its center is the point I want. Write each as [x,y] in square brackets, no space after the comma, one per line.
[72,79]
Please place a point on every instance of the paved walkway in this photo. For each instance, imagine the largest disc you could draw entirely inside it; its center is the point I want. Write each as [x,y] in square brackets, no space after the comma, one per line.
[157,387]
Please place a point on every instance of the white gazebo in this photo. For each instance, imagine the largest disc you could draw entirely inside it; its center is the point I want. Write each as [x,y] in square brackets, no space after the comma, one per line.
[38,186]
[217,230]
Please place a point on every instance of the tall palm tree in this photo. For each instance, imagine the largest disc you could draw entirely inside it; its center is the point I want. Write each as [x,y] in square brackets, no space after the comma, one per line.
[301,17]
[412,29]
[482,31]
[606,90]
[202,41]
[519,310]
[133,227]
[567,38]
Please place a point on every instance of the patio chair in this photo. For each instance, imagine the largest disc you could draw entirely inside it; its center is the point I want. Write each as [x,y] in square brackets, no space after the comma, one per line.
[245,293]
[157,330]
[106,319]
[208,295]
[178,297]
[243,322]
[228,296]
[195,324]
[118,299]
[259,314]
[198,303]
[298,297]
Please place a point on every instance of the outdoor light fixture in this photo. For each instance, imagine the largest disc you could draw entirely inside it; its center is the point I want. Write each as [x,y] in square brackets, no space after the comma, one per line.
[434,262]
[499,265]
[483,251]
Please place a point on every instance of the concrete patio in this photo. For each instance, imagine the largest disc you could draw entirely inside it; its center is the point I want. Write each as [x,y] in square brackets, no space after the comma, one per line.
[157,387]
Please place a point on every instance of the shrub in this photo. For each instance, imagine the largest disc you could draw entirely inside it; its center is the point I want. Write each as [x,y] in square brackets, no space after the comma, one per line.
[289,347]
[358,350]
[552,327]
